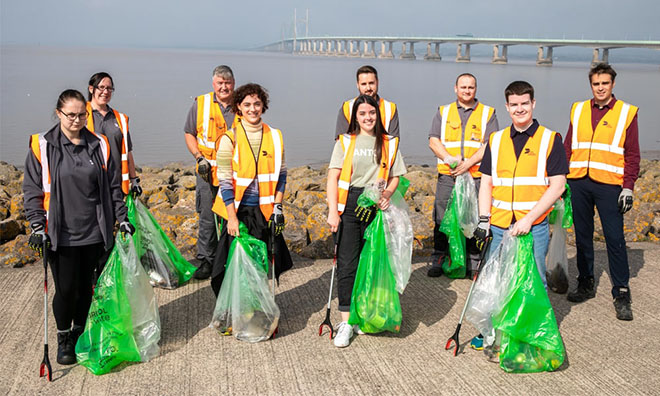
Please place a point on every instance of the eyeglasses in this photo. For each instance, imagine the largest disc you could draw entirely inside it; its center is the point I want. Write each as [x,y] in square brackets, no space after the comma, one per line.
[109,89]
[75,116]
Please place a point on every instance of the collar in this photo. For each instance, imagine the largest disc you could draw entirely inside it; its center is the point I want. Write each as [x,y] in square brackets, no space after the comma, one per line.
[223,108]
[63,140]
[529,131]
[609,105]
[466,109]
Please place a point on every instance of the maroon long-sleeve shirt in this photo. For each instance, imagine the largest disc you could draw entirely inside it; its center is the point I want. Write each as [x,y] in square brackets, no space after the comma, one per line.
[631,155]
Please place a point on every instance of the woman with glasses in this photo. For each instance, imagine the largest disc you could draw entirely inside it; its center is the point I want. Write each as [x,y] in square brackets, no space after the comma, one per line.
[72,196]
[114,125]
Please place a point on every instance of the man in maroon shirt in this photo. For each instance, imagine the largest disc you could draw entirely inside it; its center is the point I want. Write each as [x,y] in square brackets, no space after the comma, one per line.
[603,150]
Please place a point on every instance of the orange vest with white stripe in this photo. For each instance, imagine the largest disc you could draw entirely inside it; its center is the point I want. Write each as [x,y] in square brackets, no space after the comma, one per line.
[386,108]
[122,121]
[518,183]
[39,147]
[244,168]
[389,150]
[599,153]
[451,134]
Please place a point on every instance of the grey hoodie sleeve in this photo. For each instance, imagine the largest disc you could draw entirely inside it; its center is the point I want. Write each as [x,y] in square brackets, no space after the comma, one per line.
[116,194]
[33,195]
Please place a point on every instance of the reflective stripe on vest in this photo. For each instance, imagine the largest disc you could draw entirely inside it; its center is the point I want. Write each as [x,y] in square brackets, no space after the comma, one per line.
[122,122]
[386,109]
[453,139]
[518,183]
[599,153]
[389,150]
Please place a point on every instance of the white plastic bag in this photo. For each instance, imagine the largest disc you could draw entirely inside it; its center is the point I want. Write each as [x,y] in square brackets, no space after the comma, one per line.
[557,259]
[467,203]
[399,238]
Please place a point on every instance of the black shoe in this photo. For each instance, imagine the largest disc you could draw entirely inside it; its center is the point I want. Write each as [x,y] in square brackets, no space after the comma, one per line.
[622,305]
[75,333]
[434,272]
[436,265]
[204,271]
[585,290]
[65,353]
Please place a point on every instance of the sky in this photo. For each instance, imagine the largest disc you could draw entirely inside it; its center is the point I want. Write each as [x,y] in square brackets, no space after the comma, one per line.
[249,24]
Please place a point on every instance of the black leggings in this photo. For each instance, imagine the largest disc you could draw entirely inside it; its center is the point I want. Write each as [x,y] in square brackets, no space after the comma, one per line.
[73,272]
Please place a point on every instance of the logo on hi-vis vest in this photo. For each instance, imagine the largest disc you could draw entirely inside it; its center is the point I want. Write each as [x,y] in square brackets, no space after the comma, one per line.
[529,151]
[605,123]
[474,126]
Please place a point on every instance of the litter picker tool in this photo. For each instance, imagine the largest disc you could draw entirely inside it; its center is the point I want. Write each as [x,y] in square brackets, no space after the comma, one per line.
[272,265]
[454,338]
[327,322]
[45,369]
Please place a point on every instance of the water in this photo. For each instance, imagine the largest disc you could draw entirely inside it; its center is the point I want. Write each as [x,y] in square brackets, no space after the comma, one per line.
[156,88]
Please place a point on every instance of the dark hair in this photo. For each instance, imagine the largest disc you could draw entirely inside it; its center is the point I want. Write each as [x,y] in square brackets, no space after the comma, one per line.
[246,90]
[466,75]
[519,88]
[602,68]
[366,69]
[96,79]
[379,129]
[67,95]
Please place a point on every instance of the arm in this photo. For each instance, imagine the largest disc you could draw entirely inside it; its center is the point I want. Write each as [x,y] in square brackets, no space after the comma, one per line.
[485,195]
[631,155]
[191,143]
[332,198]
[440,151]
[384,201]
[131,166]
[549,197]
[342,123]
[394,124]
[190,130]
[116,194]
[567,141]
[33,195]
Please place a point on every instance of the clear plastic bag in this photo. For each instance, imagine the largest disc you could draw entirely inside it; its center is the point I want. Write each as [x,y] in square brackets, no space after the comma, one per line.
[467,206]
[245,306]
[399,236]
[557,258]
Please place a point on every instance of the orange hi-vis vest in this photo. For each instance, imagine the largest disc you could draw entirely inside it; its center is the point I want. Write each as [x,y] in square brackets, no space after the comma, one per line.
[266,169]
[451,131]
[39,147]
[387,110]
[518,184]
[122,121]
[599,153]
[389,150]
[211,126]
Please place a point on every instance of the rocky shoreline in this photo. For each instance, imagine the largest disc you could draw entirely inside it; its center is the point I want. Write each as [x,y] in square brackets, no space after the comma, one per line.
[169,193]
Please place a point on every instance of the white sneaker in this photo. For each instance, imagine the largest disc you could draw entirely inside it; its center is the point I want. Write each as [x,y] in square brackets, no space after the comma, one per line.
[344,334]
[357,330]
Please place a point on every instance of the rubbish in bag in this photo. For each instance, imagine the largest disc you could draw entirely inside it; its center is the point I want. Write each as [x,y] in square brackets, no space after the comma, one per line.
[161,259]
[566,206]
[530,341]
[399,235]
[454,265]
[375,303]
[557,258]
[467,209]
[123,322]
[245,305]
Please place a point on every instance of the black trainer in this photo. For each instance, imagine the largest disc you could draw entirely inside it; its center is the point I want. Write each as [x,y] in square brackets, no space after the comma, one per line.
[622,304]
[65,353]
[436,265]
[76,331]
[585,290]
[204,271]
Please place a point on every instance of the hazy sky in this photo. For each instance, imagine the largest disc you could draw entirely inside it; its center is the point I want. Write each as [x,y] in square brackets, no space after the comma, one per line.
[245,24]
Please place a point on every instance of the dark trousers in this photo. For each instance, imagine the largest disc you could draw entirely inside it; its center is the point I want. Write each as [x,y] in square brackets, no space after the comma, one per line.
[73,272]
[349,248]
[585,194]
[207,238]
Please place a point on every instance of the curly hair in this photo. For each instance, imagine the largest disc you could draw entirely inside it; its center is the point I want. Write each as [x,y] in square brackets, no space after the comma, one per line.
[246,90]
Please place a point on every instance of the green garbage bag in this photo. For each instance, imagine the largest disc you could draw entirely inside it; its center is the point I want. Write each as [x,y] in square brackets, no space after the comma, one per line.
[161,259]
[454,265]
[375,303]
[245,306]
[123,322]
[530,340]
[563,209]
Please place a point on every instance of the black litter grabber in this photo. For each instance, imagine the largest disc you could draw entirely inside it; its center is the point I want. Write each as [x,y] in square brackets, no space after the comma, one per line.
[45,369]
[326,322]
[454,338]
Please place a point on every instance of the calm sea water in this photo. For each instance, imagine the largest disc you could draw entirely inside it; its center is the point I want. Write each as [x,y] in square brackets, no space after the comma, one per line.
[156,88]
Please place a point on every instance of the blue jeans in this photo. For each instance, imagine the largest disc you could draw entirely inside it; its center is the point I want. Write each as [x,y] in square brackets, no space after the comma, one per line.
[541,236]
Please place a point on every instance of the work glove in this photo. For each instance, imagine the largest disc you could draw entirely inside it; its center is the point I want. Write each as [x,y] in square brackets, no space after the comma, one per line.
[625,200]
[204,169]
[365,213]
[126,228]
[452,161]
[276,221]
[38,238]
[482,233]
[135,186]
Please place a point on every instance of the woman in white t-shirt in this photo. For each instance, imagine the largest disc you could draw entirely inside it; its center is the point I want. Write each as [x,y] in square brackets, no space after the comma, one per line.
[364,155]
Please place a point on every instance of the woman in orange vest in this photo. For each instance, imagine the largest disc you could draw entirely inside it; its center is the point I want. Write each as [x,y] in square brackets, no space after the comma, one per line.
[364,155]
[252,177]
[72,196]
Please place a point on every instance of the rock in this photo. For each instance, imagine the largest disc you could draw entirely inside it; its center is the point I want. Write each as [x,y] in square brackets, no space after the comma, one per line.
[316,223]
[160,197]
[16,207]
[422,182]
[186,200]
[8,173]
[295,232]
[10,228]
[187,182]
[16,253]
[307,199]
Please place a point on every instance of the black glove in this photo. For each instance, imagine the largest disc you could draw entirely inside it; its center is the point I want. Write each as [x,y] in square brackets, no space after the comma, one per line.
[204,168]
[365,213]
[126,228]
[38,238]
[276,221]
[135,186]
[625,200]
[482,233]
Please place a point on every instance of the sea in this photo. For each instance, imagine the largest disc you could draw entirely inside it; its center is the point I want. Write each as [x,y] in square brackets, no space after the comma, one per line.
[156,88]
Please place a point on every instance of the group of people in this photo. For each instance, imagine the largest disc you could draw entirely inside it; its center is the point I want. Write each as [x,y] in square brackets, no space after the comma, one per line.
[77,174]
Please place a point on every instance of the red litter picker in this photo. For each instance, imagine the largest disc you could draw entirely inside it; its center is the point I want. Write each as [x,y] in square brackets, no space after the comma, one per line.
[45,369]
